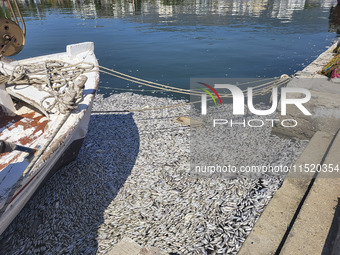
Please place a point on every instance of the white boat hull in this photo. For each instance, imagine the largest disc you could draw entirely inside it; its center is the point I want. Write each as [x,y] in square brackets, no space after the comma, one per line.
[64,146]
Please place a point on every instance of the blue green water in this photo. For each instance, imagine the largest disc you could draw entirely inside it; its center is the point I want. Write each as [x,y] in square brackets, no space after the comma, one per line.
[170,41]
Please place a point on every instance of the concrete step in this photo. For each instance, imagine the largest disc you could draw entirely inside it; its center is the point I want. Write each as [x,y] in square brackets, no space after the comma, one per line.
[272,226]
[313,224]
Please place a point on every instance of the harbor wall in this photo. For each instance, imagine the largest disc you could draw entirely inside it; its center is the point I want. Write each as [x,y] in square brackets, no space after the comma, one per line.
[324,104]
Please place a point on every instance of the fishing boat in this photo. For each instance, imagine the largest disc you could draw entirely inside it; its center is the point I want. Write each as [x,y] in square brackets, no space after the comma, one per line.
[45,109]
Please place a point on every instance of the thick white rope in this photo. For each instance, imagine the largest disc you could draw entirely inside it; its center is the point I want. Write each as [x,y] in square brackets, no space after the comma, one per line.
[261,89]
[57,78]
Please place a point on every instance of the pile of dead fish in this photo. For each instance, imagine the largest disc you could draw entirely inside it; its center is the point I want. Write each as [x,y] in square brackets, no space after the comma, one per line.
[132,179]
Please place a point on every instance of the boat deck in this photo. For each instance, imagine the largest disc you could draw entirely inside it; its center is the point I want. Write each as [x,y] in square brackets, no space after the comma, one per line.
[23,129]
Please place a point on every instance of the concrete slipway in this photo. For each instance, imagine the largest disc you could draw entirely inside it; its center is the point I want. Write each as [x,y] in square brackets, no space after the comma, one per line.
[303,216]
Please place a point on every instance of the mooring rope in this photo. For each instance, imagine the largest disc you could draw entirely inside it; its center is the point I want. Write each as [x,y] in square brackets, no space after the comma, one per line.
[264,92]
[114,73]
[261,89]
[4,78]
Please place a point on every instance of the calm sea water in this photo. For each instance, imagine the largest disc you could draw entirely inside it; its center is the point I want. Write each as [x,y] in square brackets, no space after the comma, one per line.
[170,41]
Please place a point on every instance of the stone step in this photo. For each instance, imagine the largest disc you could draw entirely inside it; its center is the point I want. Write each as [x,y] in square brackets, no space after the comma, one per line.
[313,224]
[272,226]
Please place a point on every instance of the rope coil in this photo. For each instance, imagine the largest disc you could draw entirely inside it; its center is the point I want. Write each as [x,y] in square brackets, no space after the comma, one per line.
[62,81]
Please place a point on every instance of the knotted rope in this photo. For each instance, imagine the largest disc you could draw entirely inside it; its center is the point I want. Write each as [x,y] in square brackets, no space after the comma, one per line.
[62,81]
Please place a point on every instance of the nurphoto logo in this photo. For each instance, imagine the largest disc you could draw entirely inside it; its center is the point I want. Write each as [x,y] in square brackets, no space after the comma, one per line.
[239,104]
[238,99]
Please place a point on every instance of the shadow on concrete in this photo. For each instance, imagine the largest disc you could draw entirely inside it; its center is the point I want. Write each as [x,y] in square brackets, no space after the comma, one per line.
[332,244]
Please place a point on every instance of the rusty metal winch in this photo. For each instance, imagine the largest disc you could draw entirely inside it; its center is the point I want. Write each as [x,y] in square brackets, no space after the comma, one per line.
[12,36]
